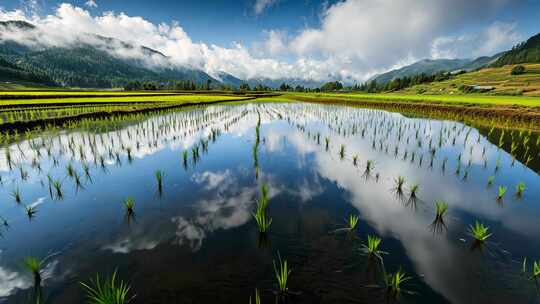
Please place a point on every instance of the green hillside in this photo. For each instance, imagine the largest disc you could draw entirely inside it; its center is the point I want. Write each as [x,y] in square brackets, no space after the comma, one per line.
[526,52]
[496,81]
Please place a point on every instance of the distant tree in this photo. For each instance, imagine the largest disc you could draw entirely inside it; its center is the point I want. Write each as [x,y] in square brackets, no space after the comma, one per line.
[284,87]
[518,70]
[332,86]
[245,87]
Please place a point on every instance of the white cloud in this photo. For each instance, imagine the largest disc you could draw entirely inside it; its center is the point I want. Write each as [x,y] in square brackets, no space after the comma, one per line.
[495,38]
[91,4]
[356,38]
[261,5]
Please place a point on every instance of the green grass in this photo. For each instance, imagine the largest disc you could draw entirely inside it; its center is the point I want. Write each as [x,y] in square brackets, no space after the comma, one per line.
[394,281]
[109,291]
[167,98]
[520,188]
[403,97]
[33,265]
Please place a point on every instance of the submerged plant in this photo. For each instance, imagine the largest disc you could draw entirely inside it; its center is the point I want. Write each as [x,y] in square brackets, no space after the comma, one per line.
[353,221]
[479,231]
[414,190]
[400,182]
[257,297]
[16,194]
[441,207]
[502,192]
[282,272]
[520,188]
[394,281]
[129,203]
[159,180]
[34,265]
[109,291]
[263,221]
[372,248]
[30,211]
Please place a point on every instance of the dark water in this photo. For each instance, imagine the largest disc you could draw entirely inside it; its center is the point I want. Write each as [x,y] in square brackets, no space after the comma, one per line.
[195,241]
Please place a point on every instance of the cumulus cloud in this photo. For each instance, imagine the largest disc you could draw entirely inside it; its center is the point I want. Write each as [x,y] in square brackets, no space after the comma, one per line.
[355,39]
[493,39]
[91,4]
[367,36]
[261,5]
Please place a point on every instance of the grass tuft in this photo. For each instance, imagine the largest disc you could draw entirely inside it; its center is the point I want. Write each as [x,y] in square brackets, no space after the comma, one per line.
[479,231]
[109,291]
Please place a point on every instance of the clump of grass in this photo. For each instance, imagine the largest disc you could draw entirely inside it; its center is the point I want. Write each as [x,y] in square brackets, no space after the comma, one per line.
[353,221]
[257,297]
[263,221]
[535,270]
[491,178]
[502,192]
[282,272]
[58,188]
[369,166]
[34,265]
[520,188]
[342,151]
[442,208]
[355,160]
[479,231]
[30,211]
[16,194]
[394,282]
[414,190]
[400,182]
[129,203]
[159,180]
[372,248]
[109,291]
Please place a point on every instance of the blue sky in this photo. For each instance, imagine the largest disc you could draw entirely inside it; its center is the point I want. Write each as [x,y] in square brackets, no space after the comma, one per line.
[348,39]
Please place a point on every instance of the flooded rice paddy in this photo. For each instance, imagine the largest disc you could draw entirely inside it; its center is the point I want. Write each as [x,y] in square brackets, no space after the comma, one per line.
[170,202]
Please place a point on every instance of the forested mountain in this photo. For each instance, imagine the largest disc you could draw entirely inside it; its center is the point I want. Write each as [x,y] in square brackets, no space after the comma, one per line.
[85,65]
[526,52]
[434,66]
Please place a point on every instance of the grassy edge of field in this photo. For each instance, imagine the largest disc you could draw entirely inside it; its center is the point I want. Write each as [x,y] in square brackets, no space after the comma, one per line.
[490,111]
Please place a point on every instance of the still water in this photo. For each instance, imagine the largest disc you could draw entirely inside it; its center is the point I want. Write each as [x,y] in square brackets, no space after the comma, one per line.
[194,240]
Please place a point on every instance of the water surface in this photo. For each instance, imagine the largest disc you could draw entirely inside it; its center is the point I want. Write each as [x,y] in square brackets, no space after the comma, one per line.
[195,240]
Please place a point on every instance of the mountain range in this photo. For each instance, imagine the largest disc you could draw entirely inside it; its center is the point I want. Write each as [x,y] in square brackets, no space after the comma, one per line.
[95,62]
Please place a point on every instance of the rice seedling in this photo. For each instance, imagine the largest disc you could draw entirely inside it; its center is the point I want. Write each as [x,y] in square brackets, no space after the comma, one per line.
[16,195]
[394,282]
[372,248]
[34,265]
[108,291]
[369,166]
[520,188]
[129,203]
[185,158]
[257,297]
[57,185]
[442,208]
[70,170]
[342,151]
[282,273]
[414,190]
[263,221]
[159,180]
[400,182]
[353,221]
[501,193]
[30,211]
[479,232]
[491,178]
